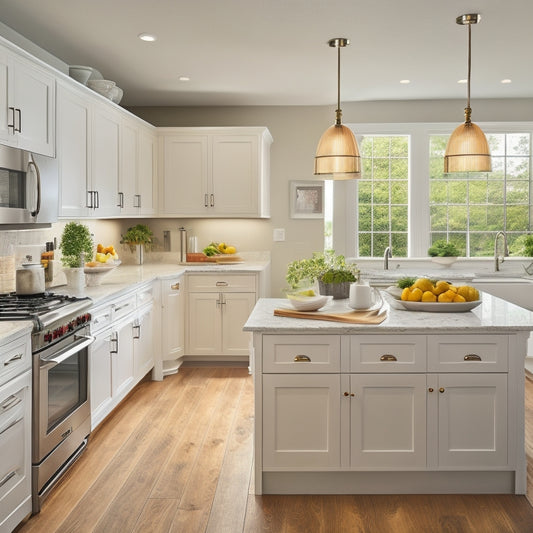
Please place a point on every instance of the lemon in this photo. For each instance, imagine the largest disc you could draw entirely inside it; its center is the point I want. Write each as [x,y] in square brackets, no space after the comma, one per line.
[230,250]
[308,292]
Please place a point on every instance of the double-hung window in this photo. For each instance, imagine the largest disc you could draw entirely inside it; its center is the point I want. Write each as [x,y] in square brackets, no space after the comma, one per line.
[405,201]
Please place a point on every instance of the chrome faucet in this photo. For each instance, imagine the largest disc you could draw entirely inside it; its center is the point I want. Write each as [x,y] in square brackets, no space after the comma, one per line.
[386,256]
[497,259]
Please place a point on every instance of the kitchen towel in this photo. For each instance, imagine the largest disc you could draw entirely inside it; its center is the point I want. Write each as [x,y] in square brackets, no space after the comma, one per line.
[352,317]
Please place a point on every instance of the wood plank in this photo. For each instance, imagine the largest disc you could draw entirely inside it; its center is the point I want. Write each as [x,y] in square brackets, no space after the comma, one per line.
[195,504]
[229,504]
[156,516]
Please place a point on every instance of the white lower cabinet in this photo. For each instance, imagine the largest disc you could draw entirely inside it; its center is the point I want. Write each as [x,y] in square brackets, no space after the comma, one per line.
[143,339]
[317,414]
[301,420]
[122,357]
[172,324]
[218,307]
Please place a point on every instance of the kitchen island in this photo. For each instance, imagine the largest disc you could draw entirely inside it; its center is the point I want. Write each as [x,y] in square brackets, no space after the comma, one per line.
[420,403]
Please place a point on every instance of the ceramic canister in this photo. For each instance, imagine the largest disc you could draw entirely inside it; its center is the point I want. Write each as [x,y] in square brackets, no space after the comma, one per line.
[30,279]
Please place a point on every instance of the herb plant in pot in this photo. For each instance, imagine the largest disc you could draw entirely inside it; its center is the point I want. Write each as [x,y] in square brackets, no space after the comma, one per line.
[331,271]
[139,239]
[443,252]
[76,245]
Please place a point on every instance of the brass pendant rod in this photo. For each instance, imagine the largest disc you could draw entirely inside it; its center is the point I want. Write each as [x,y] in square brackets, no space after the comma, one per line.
[338,112]
[469,62]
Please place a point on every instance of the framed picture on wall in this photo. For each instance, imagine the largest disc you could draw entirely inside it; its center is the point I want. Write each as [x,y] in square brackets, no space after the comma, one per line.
[307,199]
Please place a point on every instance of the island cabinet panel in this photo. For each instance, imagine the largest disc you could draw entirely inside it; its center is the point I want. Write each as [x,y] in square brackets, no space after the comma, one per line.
[467,418]
[391,353]
[388,421]
[301,420]
[301,353]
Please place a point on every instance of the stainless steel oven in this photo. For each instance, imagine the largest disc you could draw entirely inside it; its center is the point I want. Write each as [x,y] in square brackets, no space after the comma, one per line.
[61,408]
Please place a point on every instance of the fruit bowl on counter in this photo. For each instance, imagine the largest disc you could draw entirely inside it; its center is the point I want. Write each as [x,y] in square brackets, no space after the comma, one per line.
[308,300]
[96,271]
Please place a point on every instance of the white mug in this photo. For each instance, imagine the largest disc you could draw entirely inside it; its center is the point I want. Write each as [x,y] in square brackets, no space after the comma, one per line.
[362,296]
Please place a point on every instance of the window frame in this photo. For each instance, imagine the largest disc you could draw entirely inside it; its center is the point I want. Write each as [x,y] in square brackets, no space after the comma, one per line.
[344,194]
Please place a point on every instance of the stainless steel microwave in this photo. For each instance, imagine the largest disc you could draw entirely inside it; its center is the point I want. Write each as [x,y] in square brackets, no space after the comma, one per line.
[28,189]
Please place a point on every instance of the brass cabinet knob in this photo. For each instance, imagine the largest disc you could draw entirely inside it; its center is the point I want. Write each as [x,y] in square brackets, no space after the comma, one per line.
[430,389]
[441,389]
[302,358]
[349,394]
[175,287]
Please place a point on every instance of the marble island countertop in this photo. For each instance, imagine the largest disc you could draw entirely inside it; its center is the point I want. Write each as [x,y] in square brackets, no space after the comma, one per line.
[494,315]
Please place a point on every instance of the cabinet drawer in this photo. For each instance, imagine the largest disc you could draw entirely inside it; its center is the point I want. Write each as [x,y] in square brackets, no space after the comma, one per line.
[123,307]
[15,357]
[101,317]
[387,353]
[145,295]
[301,353]
[221,283]
[467,353]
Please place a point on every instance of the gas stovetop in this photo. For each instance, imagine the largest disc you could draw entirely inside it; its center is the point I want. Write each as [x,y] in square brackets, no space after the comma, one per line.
[53,315]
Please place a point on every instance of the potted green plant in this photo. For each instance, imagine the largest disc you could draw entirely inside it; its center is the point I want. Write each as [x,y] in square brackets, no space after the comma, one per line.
[331,271]
[443,252]
[138,238]
[76,247]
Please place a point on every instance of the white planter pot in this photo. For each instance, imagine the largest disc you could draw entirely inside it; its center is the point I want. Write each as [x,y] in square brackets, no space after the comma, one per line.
[75,280]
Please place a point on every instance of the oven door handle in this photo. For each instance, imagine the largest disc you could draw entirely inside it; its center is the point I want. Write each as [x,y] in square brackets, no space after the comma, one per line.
[69,352]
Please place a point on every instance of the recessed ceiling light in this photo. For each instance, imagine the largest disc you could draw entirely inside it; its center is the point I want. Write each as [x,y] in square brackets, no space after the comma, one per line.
[148,37]
[462,81]
[405,82]
[507,80]
[184,78]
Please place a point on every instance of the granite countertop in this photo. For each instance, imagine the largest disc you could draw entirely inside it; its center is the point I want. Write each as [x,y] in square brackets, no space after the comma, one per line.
[494,315]
[13,329]
[126,278]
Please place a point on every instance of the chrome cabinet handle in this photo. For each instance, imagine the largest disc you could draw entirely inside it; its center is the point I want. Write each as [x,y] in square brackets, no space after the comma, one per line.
[206,204]
[9,476]
[120,200]
[472,357]
[388,357]
[114,339]
[138,328]
[302,359]
[221,284]
[12,125]
[97,200]
[31,163]
[90,199]
[212,203]
[14,359]
[120,307]
[19,130]
[10,402]
[137,200]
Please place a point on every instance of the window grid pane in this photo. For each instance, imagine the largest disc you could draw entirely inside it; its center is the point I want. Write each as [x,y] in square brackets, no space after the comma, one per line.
[470,208]
[382,195]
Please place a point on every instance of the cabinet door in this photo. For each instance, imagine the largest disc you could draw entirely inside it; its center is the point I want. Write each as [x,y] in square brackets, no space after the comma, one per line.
[128,169]
[388,420]
[472,420]
[104,161]
[72,142]
[143,349]
[301,420]
[34,98]
[146,173]
[100,377]
[172,319]
[204,332]
[185,173]
[235,175]
[236,308]
[122,359]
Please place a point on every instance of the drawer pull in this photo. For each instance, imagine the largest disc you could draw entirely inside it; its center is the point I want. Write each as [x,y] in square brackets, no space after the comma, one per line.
[120,307]
[16,357]
[221,284]
[10,402]
[349,394]
[472,357]
[175,287]
[7,478]
[442,389]
[388,357]
[302,359]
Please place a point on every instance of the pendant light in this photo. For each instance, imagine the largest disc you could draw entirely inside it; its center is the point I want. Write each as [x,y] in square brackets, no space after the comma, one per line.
[337,155]
[467,149]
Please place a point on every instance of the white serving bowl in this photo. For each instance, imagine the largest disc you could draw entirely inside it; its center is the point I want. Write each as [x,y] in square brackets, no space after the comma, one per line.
[116,94]
[80,73]
[308,303]
[103,87]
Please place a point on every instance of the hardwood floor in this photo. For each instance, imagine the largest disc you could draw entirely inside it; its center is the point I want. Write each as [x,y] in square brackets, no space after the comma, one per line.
[177,457]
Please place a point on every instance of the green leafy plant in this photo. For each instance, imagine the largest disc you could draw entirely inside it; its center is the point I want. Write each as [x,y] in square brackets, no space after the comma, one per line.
[322,266]
[523,246]
[75,241]
[139,234]
[442,248]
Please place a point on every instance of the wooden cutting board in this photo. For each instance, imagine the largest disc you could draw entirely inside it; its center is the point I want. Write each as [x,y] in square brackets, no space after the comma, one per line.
[352,317]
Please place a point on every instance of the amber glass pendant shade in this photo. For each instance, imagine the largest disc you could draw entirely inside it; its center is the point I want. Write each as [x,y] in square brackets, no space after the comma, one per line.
[467,149]
[337,154]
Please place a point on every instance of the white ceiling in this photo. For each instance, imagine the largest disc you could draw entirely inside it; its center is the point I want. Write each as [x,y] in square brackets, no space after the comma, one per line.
[275,52]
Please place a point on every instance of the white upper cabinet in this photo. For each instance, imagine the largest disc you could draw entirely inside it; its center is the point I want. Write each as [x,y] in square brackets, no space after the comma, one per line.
[214,172]
[27,104]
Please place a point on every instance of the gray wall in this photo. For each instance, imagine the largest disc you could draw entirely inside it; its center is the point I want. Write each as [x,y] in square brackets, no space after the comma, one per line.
[296,131]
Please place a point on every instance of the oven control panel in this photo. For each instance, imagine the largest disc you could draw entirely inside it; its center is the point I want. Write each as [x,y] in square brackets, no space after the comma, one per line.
[58,331]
